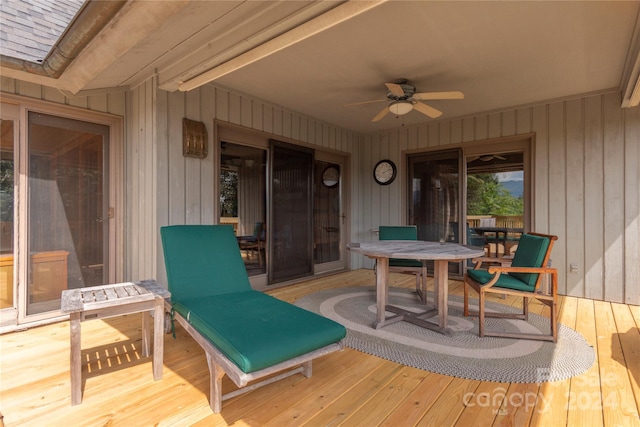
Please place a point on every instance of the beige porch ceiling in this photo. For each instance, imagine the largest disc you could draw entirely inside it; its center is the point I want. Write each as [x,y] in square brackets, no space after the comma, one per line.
[500,54]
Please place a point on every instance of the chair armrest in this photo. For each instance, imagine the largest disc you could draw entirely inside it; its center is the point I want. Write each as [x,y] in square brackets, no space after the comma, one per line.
[539,270]
[497,271]
[503,261]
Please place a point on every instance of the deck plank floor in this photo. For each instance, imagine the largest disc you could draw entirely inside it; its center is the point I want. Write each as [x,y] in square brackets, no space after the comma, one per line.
[348,388]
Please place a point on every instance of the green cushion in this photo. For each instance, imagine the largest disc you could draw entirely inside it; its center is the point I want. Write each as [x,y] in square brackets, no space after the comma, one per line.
[256,330]
[400,232]
[505,281]
[396,262]
[531,252]
[193,255]
[210,288]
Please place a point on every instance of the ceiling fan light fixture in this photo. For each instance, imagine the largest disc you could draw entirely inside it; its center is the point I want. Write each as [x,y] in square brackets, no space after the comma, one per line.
[400,108]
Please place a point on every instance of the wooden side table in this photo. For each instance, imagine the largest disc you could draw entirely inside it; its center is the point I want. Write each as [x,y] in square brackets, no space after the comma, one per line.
[100,302]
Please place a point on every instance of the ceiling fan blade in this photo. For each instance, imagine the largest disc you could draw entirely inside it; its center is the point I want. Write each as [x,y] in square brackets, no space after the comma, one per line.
[427,110]
[395,89]
[489,157]
[438,95]
[365,102]
[381,114]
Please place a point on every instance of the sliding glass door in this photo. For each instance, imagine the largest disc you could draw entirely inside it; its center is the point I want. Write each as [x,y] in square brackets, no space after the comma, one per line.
[495,199]
[435,195]
[68,225]
[329,218]
[291,212]
[286,205]
[54,211]
[243,201]
[477,195]
[8,176]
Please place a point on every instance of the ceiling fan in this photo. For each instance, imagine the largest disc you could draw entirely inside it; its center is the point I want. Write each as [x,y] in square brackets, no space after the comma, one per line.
[486,158]
[403,98]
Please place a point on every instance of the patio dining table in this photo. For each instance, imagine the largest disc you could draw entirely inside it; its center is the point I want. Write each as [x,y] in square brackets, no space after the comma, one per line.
[440,253]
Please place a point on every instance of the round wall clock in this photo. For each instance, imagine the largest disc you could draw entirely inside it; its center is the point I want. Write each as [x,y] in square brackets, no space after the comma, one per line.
[331,176]
[384,172]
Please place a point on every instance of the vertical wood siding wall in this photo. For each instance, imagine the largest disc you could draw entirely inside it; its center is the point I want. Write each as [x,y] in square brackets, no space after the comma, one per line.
[168,188]
[587,185]
[587,172]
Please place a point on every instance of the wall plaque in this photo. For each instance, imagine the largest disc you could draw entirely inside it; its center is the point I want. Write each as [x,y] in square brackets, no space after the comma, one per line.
[194,139]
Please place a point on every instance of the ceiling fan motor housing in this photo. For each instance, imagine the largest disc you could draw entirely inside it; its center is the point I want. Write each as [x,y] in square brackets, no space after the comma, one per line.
[408,89]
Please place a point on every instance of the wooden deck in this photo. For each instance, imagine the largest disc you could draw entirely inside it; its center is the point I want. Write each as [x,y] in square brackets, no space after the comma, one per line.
[347,388]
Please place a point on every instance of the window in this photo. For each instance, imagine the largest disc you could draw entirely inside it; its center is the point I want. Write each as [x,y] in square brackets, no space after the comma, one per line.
[7,197]
[243,201]
[68,218]
[460,195]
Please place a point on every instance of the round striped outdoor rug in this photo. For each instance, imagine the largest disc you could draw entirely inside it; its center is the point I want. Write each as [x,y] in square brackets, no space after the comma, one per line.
[463,353]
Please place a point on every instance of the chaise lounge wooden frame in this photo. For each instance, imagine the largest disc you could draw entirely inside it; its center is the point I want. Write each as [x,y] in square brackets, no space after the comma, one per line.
[213,301]
[219,365]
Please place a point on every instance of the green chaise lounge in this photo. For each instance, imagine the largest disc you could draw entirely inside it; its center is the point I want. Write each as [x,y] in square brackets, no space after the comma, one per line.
[245,334]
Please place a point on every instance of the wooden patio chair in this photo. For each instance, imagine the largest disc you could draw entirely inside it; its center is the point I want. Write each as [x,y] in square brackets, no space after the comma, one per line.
[246,334]
[253,242]
[523,278]
[406,266]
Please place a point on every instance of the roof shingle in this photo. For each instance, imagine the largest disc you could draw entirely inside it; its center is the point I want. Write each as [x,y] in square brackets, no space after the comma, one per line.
[30,28]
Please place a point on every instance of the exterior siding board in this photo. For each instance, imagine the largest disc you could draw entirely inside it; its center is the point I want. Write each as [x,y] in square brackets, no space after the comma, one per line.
[540,122]
[481,130]
[614,203]
[631,284]
[162,180]
[132,187]
[209,182]
[193,182]
[593,198]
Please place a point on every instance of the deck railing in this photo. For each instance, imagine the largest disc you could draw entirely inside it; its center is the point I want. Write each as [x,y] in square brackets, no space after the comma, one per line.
[503,221]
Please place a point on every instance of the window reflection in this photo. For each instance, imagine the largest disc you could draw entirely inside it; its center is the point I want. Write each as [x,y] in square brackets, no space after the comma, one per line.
[68,220]
[243,201]
[6,214]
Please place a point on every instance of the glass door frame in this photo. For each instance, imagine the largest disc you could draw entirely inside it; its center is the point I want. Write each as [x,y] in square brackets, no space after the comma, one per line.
[524,143]
[115,176]
[253,138]
[443,184]
[343,183]
[241,136]
[279,269]
[519,143]
[9,315]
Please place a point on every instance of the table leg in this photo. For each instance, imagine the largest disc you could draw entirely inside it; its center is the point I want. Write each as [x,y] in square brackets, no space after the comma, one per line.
[441,276]
[158,338]
[382,290]
[423,284]
[76,359]
[146,337]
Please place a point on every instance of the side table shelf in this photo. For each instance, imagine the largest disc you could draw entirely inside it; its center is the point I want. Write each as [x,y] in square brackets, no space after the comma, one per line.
[104,301]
